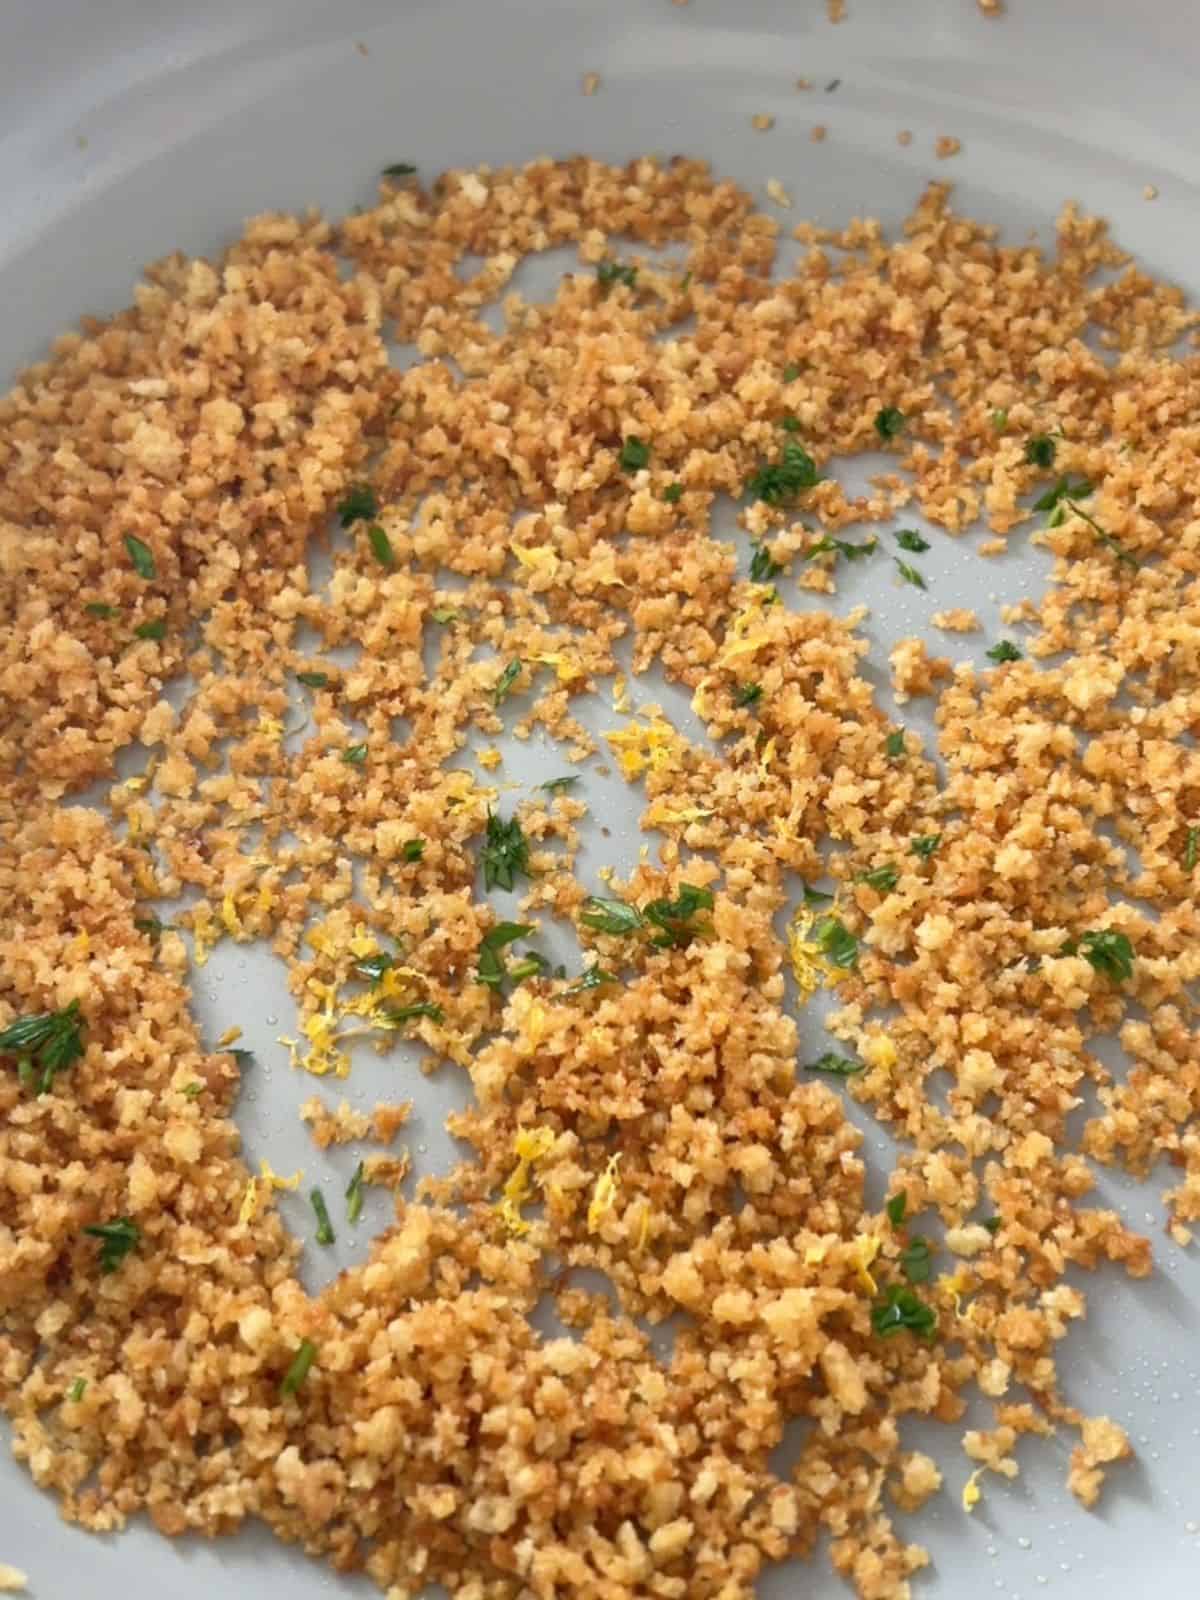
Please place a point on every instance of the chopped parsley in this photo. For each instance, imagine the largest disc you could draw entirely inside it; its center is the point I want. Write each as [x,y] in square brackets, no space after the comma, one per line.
[790,424]
[837,943]
[419,1008]
[443,614]
[889,422]
[505,853]
[815,897]
[45,1044]
[1004,651]
[399,169]
[354,1195]
[373,967]
[610,272]
[1040,451]
[152,630]
[883,879]
[897,1207]
[504,683]
[916,1260]
[381,546]
[1000,419]
[792,474]
[675,918]
[901,1308]
[925,844]
[910,539]
[593,978]
[910,574]
[301,1366]
[491,968]
[763,566]
[560,785]
[993,1224]
[97,608]
[1108,540]
[837,1066]
[355,755]
[77,1390]
[673,493]
[1191,850]
[791,372]
[1064,489]
[1109,952]
[141,556]
[244,1058]
[610,916]
[313,680]
[634,455]
[840,547]
[749,694]
[325,1233]
[413,849]
[150,926]
[193,1090]
[359,505]
[117,1239]
[894,744]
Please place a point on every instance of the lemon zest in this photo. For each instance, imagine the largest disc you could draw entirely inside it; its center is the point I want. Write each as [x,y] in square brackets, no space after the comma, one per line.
[766,756]
[230,1036]
[972,1494]
[809,965]
[529,1146]
[620,694]
[274,1180]
[604,1195]
[270,727]
[954,1285]
[536,557]
[205,932]
[643,1230]
[249,1207]
[877,1050]
[868,1249]
[644,746]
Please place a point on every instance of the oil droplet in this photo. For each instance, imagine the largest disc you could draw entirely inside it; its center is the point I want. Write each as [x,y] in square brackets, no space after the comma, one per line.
[1025,1544]
[1191,1527]
[991,1549]
[1065,1566]
[1042,1578]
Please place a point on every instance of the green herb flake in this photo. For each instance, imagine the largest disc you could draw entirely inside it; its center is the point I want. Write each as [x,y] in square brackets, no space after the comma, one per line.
[398,1015]
[373,967]
[381,546]
[354,1195]
[763,566]
[141,556]
[993,1225]
[610,916]
[593,978]
[443,614]
[1004,651]
[1065,489]
[1191,850]
[925,844]
[609,273]
[413,849]
[837,943]
[313,680]
[193,1090]
[152,630]
[902,1308]
[897,1207]
[749,694]
[560,785]
[893,745]
[916,1260]
[97,608]
[1040,451]
[77,1390]
[673,494]
[910,574]
[791,372]
[1108,540]
[840,547]
[882,879]
[1109,952]
[150,926]
[45,1044]
[117,1239]
[358,505]
[889,422]
[634,455]
[505,854]
[815,897]
[675,919]
[325,1233]
[355,755]
[244,1058]
[1000,419]
[910,539]
[399,169]
[503,686]
[792,474]
[790,424]
[300,1368]
[836,1066]
[490,968]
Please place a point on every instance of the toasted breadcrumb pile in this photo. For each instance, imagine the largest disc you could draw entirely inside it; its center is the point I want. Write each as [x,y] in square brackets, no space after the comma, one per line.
[644,1114]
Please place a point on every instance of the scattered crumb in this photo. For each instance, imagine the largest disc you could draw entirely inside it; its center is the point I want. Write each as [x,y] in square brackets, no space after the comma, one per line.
[904,136]
[1150,192]
[387,1172]
[914,670]
[836,10]
[804,83]
[991,8]
[1102,1442]
[387,1119]
[818,132]
[947,146]
[12,1580]
[334,1127]
[81,141]
[591,82]
[361,48]
[762,123]
[959,621]
[778,193]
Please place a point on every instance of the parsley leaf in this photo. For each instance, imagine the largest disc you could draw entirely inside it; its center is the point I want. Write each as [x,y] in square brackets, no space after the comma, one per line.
[355,755]
[560,785]
[894,744]
[749,694]
[1000,419]
[419,1008]
[373,967]
[301,1366]
[673,493]
[504,683]
[634,455]
[993,1224]
[837,943]
[358,505]
[883,879]
[244,1058]
[505,853]
[52,1040]
[763,566]
[792,474]
[413,849]
[910,574]
[790,424]
[916,1260]
[593,978]
[902,1308]
[150,926]
[313,680]
[97,608]
[675,917]
[1191,851]
[1040,450]
[354,1195]
[836,1066]
[399,169]
[193,1090]
[910,539]
[610,916]
[117,1240]
[490,968]
[381,546]
[77,1390]
[1064,489]
[610,272]
[896,1208]
[889,422]
[791,372]
[152,630]
[1108,540]
[1108,951]
[325,1233]
[141,556]
[925,844]
[443,614]
[1004,651]
[840,547]
[815,897]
